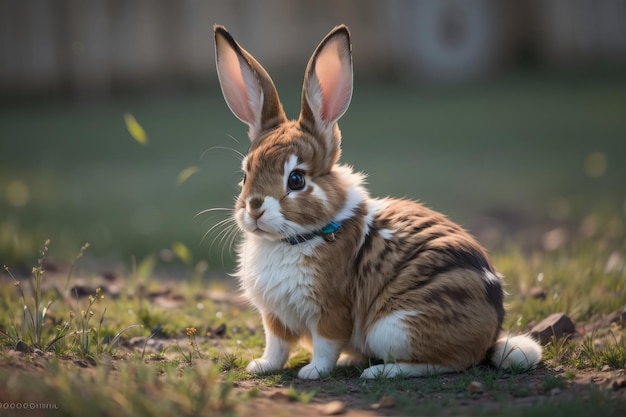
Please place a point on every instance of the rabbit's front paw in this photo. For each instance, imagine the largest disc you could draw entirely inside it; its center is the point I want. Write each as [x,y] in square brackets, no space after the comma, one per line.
[313,371]
[261,366]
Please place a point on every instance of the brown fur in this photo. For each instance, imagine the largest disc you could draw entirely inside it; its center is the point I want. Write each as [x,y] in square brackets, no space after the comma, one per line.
[369,281]
[264,169]
[274,325]
[357,283]
[388,256]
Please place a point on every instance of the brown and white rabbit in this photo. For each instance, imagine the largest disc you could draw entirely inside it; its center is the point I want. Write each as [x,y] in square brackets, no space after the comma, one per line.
[347,274]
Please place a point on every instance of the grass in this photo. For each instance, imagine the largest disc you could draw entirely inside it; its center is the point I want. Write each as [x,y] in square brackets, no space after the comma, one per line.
[591,353]
[133,388]
[189,370]
[523,145]
[541,151]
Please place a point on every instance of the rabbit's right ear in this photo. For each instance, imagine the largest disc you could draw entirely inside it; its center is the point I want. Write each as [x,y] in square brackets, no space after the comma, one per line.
[327,88]
[248,89]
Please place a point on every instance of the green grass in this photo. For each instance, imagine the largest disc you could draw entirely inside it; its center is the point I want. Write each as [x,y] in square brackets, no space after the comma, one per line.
[207,375]
[128,389]
[593,352]
[518,144]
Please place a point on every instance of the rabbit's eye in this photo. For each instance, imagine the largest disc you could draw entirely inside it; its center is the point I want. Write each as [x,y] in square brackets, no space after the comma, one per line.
[296,182]
[243,180]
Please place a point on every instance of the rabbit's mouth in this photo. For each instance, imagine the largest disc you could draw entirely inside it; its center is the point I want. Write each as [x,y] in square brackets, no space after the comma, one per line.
[267,228]
[272,226]
[260,232]
[260,229]
[271,236]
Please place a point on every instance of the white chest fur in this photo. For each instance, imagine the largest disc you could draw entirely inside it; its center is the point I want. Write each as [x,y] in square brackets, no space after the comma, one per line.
[275,281]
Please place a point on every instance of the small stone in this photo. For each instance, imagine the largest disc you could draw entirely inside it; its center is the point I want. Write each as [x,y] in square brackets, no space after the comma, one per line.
[21,346]
[558,325]
[475,387]
[605,368]
[333,408]
[555,391]
[387,401]
[220,331]
[619,384]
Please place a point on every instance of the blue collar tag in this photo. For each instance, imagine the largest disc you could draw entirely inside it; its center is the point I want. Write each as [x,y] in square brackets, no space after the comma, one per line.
[331,227]
[327,232]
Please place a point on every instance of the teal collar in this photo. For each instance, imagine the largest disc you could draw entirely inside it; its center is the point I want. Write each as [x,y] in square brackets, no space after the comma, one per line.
[327,232]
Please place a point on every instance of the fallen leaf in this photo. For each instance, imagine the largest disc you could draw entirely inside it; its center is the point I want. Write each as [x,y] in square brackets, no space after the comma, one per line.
[134,128]
[182,252]
[186,173]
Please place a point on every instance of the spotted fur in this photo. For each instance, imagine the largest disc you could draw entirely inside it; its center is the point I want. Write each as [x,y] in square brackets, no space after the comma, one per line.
[396,282]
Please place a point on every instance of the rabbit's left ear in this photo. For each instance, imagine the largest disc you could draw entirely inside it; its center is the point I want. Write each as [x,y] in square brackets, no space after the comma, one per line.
[327,88]
[248,89]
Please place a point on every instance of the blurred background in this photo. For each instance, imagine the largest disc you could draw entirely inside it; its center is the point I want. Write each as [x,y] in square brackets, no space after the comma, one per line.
[510,117]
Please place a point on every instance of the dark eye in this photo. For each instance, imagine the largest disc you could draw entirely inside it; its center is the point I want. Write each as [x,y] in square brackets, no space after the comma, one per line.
[296,182]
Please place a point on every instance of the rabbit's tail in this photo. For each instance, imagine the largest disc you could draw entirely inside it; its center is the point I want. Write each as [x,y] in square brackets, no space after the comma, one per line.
[516,352]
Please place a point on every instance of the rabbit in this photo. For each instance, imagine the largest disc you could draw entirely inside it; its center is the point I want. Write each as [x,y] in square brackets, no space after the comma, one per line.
[386,284]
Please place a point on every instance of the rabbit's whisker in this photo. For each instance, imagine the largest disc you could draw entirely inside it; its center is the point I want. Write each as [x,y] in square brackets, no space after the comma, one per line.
[209,210]
[240,155]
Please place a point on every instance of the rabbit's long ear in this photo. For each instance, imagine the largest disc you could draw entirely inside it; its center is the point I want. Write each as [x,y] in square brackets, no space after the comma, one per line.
[327,88]
[248,89]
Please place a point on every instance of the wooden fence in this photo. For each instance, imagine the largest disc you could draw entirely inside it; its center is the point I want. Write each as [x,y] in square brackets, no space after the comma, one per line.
[98,46]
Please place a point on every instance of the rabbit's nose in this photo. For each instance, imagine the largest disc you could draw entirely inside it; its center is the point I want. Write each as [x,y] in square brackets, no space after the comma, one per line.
[254,207]
[255,203]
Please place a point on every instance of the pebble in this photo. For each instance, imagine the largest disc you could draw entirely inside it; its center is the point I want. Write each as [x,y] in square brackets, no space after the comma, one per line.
[475,387]
[387,401]
[21,346]
[333,408]
[619,384]
[558,325]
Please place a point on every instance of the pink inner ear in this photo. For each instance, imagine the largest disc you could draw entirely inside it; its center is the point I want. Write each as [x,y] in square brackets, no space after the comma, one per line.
[334,77]
[234,85]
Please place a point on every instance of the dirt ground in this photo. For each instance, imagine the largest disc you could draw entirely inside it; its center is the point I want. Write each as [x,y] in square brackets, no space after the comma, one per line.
[414,397]
[275,401]
[346,394]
